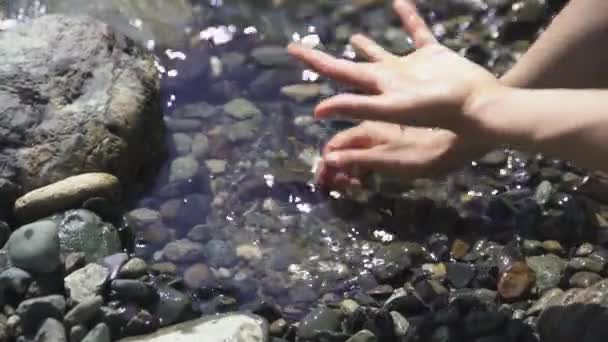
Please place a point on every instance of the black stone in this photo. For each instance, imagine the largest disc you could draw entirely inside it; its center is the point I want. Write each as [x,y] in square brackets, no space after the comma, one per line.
[460,274]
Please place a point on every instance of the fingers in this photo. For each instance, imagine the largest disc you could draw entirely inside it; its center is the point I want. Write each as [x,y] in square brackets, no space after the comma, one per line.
[339,69]
[369,48]
[355,137]
[363,107]
[414,24]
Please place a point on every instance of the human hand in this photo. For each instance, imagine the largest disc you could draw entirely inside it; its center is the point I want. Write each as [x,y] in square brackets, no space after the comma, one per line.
[408,152]
[431,87]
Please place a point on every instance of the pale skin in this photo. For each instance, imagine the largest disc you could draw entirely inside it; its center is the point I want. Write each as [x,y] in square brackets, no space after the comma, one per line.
[475,111]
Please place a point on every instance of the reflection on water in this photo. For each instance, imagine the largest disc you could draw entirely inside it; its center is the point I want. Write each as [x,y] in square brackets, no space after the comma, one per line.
[236,213]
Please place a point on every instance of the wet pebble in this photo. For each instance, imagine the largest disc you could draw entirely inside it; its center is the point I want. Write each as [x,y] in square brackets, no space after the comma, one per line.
[77,333]
[549,270]
[33,311]
[134,268]
[86,283]
[271,56]
[586,264]
[220,253]
[132,290]
[183,169]
[183,251]
[172,305]
[241,109]
[99,333]
[319,320]
[143,217]
[515,281]
[84,312]
[363,336]
[35,247]
[15,280]
[584,279]
[198,275]
[460,274]
[51,330]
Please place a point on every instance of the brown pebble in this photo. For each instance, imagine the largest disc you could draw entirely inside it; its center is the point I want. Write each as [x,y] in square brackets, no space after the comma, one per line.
[277,328]
[515,281]
[552,246]
[459,249]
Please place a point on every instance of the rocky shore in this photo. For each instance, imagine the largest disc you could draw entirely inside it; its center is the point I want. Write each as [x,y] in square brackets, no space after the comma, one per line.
[149,208]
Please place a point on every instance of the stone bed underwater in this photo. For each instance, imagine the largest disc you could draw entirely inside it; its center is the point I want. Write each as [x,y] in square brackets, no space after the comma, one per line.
[155,168]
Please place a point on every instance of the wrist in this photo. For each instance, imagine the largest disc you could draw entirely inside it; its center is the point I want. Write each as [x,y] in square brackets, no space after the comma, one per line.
[482,109]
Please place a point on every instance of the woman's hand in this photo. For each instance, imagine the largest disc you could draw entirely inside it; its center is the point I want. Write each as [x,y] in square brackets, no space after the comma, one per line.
[408,152]
[431,87]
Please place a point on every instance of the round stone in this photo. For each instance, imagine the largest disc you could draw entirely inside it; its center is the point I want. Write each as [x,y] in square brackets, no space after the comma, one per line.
[198,275]
[183,169]
[319,320]
[35,247]
[183,251]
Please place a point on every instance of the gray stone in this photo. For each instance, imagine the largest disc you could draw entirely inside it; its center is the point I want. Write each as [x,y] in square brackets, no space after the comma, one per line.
[584,279]
[74,261]
[550,298]
[66,194]
[100,99]
[100,333]
[142,217]
[83,312]
[35,247]
[363,336]
[15,280]
[401,324]
[318,320]
[132,290]
[183,251]
[51,331]
[232,327]
[171,306]
[349,306]
[200,146]
[83,231]
[182,143]
[543,192]
[33,311]
[220,253]
[302,92]
[216,166]
[183,169]
[134,268]
[241,109]
[77,333]
[86,283]
[198,275]
[272,56]
[549,270]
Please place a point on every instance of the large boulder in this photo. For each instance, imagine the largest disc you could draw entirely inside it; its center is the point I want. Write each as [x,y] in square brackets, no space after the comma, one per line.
[74,98]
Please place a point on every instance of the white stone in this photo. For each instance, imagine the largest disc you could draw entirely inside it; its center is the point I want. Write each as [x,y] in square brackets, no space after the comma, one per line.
[86,283]
[227,328]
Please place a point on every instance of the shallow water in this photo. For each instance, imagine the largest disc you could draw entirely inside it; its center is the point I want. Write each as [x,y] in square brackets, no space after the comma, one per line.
[260,227]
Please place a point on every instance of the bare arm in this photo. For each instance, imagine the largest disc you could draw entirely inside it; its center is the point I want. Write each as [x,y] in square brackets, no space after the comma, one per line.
[572,53]
[570,124]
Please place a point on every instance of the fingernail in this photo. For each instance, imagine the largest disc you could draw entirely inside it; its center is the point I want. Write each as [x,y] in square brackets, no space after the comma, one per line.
[332,158]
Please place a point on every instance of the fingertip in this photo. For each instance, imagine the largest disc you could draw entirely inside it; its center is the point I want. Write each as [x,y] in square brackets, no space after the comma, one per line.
[332,159]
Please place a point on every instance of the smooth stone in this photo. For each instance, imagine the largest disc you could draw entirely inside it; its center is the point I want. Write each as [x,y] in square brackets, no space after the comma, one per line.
[157,235]
[460,274]
[549,270]
[183,125]
[319,320]
[543,192]
[401,324]
[77,333]
[142,323]
[249,252]
[515,281]
[231,327]
[35,247]
[198,275]
[65,194]
[242,109]
[220,253]
[15,280]
[83,231]
[164,268]
[200,146]
[132,290]
[171,306]
[459,249]
[216,166]
[84,312]
[554,247]
[349,306]
[202,233]
[182,143]
[170,209]
[143,217]
[134,268]
[494,158]
[183,169]
[33,311]
[184,251]
[114,262]
[86,283]
[584,250]
[584,279]
[586,264]
[100,333]
[302,92]
[241,131]
[278,327]
[550,298]
[271,56]
[51,330]
[363,336]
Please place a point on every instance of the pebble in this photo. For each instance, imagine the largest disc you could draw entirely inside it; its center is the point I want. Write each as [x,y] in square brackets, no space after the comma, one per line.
[15,280]
[65,194]
[86,283]
[241,109]
[552,246]
[172,305]
[74,261]
[84,312]
[515,281]
[249,252]
[390,261]
[348,306]
[586,264]
[100,333]
[132,290]
[164,268]
[363,336]
[436,271]
[198,275]
[584,279]
[402,326]
[35,310]
[182,143]
[319,320]
[549,270]
[143,217]
[220,253]
[183,251]
[51,330]
[216,166]
[584,250]
[550,298]
[271,56]
[278,327]
[77,333]
[302,92]
[183,169]
[35,247]
[134,268]
[459,249]
[460,274]
[200,146]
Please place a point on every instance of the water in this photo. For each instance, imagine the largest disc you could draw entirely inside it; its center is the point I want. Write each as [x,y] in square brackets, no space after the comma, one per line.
[246,220]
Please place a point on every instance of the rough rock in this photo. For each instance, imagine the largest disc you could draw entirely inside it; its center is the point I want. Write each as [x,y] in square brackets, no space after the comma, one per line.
[75,98]
[66,194]
[232,327]
[86,283]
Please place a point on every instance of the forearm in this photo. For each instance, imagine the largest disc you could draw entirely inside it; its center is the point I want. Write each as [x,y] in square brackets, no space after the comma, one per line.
[567,124]
[571,53]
